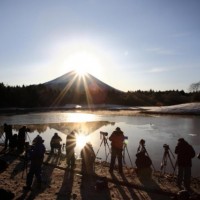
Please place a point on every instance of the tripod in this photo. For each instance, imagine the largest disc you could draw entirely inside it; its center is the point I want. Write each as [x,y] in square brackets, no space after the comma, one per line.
[142,148]
[105,142]
[125,148]
[166,156]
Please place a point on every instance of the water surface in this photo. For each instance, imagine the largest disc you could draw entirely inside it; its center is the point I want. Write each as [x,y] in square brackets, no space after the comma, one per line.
[154,129]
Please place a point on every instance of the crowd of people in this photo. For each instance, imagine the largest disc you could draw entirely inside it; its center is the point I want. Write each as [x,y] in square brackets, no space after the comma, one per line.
[36,151]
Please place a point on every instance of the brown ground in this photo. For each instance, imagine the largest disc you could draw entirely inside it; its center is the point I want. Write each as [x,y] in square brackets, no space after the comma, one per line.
[62,184]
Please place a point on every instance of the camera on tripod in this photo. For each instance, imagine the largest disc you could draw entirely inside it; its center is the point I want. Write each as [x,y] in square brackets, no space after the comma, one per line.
[166,146]
[104,133]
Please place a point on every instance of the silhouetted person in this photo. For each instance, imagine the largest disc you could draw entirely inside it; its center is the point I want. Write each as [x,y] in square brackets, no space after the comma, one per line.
[185,153]
[55,143]
[13,142]
[117,142]
[88,158]
[36,156]
[8,134]
[21,139]
[70,145]
[143,163]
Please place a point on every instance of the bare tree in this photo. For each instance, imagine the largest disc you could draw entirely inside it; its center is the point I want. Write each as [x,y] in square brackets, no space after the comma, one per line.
[195,87]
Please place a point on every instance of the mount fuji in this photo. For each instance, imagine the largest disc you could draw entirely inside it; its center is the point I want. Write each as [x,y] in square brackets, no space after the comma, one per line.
[80,83]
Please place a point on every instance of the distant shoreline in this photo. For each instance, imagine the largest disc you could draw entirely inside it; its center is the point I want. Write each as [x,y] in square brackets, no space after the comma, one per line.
[181,109]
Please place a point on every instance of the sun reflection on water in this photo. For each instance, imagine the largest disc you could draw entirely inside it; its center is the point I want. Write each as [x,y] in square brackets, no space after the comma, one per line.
[80,117]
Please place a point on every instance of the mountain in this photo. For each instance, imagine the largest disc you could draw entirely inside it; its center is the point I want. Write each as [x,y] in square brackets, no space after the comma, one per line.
[78,82]
[82,89]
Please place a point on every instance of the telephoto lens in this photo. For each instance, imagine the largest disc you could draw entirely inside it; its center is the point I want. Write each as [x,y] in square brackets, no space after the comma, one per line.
[104,133]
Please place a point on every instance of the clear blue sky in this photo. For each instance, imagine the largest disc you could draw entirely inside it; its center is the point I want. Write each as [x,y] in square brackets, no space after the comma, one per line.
[128,44]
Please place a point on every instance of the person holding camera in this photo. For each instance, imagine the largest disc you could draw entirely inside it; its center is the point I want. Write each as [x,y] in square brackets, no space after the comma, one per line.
[117,142]
[36,156]
[185,153]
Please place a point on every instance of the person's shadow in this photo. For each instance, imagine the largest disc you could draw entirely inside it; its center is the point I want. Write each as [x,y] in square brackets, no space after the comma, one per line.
[90,190]
[121,190]
[153,189]
[47,170]
[65,191]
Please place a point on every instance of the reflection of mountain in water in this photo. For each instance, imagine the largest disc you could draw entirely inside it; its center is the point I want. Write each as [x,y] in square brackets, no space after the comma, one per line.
[86,127]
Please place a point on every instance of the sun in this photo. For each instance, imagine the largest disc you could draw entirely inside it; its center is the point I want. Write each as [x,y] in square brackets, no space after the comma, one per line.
[82,62]
[80,71]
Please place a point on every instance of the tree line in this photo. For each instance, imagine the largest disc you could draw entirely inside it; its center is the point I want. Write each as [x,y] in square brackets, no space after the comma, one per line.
[34,96]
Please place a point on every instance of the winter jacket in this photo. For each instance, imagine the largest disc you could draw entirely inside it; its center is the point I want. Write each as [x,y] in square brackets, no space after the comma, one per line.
[185,153]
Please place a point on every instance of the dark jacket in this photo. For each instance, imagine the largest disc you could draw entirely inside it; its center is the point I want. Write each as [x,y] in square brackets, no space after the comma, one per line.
[55,140]
[36,154]
[185,153]
[142,160]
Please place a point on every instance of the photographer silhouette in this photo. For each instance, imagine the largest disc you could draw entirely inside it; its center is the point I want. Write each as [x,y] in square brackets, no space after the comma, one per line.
[117,143]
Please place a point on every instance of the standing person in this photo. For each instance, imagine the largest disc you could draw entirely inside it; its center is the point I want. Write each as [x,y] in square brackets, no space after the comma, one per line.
[8,134]
[88,159]
[36,156]
[55,143]
[185,153]
[117,142]
[21,138]
[70,145]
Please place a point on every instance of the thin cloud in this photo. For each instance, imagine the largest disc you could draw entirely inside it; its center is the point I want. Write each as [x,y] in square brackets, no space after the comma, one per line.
[158,70]
[160,51]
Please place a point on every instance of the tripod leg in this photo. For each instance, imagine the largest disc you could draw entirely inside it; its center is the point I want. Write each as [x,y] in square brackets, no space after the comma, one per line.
[99,148]
[171,161]
[106,144]
[150,158]
[129,156]
[163,163]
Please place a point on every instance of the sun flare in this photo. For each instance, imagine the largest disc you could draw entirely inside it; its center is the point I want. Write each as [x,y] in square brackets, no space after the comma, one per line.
[81,140]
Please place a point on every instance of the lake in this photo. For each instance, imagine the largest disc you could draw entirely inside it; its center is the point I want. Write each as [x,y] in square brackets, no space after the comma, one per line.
[156,130]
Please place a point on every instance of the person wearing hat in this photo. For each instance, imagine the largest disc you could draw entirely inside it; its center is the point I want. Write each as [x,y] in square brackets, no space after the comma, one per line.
[117,142]
[36,156]
[185,153]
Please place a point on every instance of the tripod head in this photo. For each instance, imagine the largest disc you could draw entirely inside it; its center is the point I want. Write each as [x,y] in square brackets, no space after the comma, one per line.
[167,150]
[166,147]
